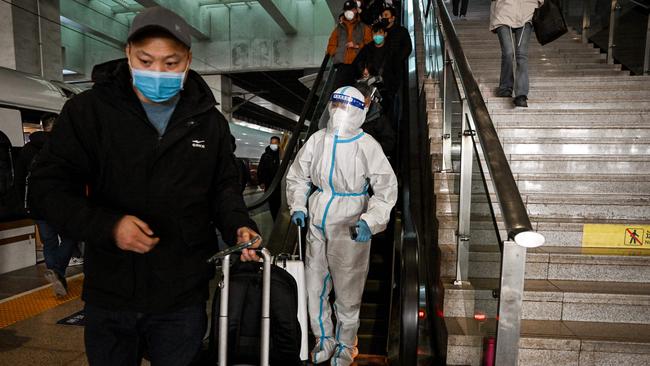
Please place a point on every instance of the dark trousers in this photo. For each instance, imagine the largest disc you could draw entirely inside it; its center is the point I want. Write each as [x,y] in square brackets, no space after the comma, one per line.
[463,7]
[344,76]
[57,252]
[275,201]
[118,338]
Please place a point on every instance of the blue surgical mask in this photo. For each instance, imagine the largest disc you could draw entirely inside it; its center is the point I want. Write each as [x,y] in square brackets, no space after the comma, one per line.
[158,86]
[378,38]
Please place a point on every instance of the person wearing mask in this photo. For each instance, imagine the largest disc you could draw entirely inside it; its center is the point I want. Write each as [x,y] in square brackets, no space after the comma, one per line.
[157,159]
[398,38]
[347,39]
[58,249]
[266,170]
[342,163]
[511,20]
[377,59]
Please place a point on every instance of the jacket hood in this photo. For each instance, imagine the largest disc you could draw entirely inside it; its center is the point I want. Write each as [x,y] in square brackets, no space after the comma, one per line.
[114,78]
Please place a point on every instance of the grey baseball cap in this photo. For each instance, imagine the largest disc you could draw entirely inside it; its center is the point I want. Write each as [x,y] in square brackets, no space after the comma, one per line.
[159,17]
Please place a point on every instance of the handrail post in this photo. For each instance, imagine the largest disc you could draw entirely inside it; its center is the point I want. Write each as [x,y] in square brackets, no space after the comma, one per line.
[513,268]
[465,200]
[646,58]
[586,20]
[612,28]
[447,164]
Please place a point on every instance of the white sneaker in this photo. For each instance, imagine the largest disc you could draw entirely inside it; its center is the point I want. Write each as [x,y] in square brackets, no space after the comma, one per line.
[323,351]
[75,261]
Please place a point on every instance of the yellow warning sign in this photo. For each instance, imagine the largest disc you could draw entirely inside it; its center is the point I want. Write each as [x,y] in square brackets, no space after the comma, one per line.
[616,236]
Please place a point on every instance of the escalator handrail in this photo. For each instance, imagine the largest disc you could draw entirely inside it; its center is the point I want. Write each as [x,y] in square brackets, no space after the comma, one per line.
[513,210]
[290,149]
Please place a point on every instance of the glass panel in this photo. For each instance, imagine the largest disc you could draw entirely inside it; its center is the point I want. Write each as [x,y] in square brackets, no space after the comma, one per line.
[599,30]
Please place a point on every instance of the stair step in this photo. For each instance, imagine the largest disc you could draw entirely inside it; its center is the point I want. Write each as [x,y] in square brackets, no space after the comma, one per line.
[612,116]
[603,87]
[553,183]
[610,164]
[569,81]
[535,103]
[376,291]
[555,342]
[561,206]
[582,95]
[576,146]
[587,301]
[374,311]
[557,263]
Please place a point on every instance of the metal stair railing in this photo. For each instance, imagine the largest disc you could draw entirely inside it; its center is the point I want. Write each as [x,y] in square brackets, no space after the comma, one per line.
[446,63]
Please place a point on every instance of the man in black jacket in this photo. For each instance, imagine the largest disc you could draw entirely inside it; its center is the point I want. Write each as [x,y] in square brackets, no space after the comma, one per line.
[157,158]
[266,169]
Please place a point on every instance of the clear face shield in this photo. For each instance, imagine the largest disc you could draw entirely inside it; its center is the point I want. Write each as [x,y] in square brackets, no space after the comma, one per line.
[347,111]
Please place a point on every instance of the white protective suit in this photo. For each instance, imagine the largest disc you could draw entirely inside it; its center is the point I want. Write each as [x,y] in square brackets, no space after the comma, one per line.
[341,162]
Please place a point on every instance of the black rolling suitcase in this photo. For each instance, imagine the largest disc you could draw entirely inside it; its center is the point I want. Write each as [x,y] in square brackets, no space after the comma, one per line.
[249,292]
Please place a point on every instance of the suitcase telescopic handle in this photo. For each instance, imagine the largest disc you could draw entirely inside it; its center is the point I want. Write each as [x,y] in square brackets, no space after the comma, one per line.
[266,309]
[299,242]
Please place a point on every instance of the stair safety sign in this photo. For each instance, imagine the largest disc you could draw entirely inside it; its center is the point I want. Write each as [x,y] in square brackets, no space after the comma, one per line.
[616,236]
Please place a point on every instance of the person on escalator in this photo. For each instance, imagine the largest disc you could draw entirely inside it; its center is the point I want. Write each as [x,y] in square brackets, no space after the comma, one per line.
[266,170]
[379,60]
[342,163]
[348,37]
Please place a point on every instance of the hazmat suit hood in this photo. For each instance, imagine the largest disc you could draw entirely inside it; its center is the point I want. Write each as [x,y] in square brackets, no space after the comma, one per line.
[347,110]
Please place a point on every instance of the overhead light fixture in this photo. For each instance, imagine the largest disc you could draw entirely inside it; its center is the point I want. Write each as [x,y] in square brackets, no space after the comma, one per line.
[69,72]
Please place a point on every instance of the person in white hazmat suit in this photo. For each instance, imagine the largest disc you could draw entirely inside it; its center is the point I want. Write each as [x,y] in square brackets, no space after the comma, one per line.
[340,162]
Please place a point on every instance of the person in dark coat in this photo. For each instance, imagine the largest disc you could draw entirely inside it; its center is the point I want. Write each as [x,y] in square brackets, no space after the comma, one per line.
[397,37]
[156,156]
[266,170]
[244,170]
[57,249]
[377,59]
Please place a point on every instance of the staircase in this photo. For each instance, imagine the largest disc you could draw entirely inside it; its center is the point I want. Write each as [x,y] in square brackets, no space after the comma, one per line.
[580,155]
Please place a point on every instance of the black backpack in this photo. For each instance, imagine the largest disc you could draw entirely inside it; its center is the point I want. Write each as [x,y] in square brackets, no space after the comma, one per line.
[244,317]
[548,21]
[7,171]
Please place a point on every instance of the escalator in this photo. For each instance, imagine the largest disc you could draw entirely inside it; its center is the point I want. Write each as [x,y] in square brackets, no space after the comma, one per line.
[396,300]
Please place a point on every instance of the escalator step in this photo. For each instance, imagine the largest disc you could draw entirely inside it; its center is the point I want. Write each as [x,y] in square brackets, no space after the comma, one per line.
[374,311]
[374,327]
[369,344]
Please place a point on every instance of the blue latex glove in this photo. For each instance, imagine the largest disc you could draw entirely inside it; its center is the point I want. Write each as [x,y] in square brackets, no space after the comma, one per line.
[298,218]
[363,232]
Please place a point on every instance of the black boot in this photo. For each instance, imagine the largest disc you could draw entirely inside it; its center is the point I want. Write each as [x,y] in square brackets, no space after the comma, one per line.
[521,101]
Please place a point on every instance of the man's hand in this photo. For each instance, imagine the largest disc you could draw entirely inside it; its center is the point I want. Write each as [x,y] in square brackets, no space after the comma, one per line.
[350,45]
[134,235]
[245,234]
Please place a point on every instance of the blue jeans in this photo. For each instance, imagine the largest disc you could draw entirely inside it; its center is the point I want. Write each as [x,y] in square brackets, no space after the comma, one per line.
[57,253]
[118,338]
[514,44]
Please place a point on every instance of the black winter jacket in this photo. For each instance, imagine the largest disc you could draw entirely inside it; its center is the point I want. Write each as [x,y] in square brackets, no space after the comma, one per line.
[268,166]
[182,184]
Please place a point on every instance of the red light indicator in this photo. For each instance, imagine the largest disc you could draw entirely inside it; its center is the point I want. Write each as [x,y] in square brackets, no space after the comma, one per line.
[480,317]
[421,314]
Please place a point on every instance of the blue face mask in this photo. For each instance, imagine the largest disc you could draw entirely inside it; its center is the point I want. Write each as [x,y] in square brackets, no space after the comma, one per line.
[158,86]
[379,39]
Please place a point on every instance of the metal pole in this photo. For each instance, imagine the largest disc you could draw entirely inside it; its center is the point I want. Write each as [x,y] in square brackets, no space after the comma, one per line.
[586,20]
[266,306]
[223,311]
[513,266]
[612,28]
[40,38]
[447,164]
[465,201]
[646,58]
